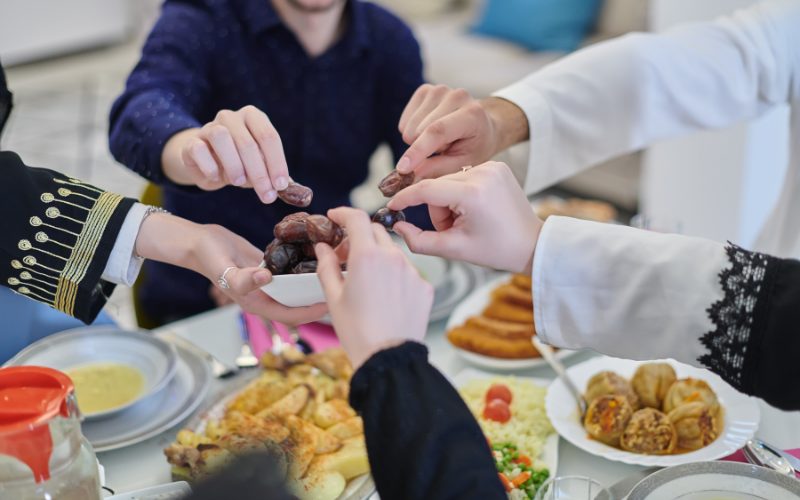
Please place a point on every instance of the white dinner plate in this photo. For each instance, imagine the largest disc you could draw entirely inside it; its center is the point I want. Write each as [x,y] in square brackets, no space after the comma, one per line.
[153,357]
[474,305]
[742,414]
[550,451]
[157,413]
[358,488]
[717,481]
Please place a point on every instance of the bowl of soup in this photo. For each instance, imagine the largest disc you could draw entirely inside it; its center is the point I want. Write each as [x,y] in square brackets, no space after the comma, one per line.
[112,369]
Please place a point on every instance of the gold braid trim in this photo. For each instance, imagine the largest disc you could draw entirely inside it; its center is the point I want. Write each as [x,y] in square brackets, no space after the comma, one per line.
[84,250]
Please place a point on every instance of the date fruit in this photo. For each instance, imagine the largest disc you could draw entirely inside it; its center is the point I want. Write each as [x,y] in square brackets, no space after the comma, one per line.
[308,250]
[395,182]
[387,218]
[296,194]
[271,248]
[309,266]
[283,258]
[323,230]
[292,229]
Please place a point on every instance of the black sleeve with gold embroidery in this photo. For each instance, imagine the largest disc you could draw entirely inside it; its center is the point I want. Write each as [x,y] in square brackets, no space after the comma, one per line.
[58,233]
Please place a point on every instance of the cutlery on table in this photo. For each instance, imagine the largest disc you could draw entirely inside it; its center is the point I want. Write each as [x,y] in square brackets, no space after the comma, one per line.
[246,358]
[301,344]
[763,454]
[218,368]
[278,345]
[549,355]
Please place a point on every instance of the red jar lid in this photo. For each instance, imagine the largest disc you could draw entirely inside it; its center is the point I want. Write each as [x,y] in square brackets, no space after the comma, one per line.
[29,396]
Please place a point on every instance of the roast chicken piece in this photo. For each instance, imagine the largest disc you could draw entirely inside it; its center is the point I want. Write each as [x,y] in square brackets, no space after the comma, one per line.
[649,432]
[690,390]
[695,424]
[651,382]
[607,418]
[611,384]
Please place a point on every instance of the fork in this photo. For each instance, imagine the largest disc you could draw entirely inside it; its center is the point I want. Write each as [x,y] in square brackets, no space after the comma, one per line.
[246,358]
[294,334]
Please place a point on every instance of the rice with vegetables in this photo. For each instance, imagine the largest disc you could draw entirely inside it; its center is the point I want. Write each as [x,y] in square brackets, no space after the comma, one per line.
[529,426]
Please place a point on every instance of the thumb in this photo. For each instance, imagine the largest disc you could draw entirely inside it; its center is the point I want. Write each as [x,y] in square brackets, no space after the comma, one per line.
[440,244]
[244,281]
[328,271]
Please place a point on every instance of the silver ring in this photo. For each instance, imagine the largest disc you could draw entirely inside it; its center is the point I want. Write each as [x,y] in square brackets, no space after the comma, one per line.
[222,282]
[464,169]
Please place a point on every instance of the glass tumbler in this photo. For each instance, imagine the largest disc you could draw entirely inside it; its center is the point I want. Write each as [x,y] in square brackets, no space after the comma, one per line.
[573,488]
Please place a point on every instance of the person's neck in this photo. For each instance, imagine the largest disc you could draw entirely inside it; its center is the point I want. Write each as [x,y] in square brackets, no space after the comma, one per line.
[316,31]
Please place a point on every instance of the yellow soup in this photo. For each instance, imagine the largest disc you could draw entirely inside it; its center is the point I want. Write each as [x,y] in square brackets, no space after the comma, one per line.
[104,386]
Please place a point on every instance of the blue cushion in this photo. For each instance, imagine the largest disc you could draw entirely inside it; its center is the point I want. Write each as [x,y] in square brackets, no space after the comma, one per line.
[554,25]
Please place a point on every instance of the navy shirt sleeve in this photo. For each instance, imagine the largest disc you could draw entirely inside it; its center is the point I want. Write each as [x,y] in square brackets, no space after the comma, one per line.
[162,92]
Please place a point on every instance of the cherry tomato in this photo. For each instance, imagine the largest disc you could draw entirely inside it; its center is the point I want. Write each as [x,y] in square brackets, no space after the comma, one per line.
[497,410]
[499,391]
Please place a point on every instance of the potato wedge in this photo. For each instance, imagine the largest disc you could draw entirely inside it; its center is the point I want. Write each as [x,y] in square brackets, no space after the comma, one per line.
[189,438]
[258,428]
[183,474]
[259,395]
[334,362]
[333,412]
[325,485]
[214,429]
[325,442]
[291,404]
[241,445]
[307,413]
[350,462]
[214,459]
[355,442]
[299,448]
[341,390]
[353,426]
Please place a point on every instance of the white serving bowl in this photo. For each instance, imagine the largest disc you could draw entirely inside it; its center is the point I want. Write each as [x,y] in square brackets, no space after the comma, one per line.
[156,359]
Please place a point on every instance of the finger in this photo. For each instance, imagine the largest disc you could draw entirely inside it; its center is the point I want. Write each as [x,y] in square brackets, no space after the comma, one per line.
[428,242]
[357,223]
[441,217]
[250,154]
[436,192]
[271,147]
[329,272]
[454,101]
[413,105]
[261,304]
[435,137]
[431,101]
[244,281]
[198,154]
[343,250]
[382,236]
[222,143]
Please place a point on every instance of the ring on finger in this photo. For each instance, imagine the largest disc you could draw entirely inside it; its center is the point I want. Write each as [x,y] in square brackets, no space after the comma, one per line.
[222,282]
[464,169]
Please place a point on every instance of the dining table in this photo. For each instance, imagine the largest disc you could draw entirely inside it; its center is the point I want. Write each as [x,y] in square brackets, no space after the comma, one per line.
[144,465]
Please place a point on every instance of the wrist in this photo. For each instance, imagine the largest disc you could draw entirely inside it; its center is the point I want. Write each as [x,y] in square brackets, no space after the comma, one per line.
[364,352]
[509,122]
[172,157]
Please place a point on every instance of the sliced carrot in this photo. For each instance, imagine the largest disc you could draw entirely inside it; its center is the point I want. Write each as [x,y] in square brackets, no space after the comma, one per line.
[523,459]
[692,397]
[506,482]
[523,476]
[489,441]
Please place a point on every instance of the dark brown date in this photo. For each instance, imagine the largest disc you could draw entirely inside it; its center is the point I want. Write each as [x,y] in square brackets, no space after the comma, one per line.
[308,250]
[395,182]
[296,194]
[271,248]
[323,230]
[387,218]
[343,266]
[292,229]
[283,258]
[309,266]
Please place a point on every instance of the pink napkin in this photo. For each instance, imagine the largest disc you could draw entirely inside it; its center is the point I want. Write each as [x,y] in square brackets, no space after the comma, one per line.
[318,335]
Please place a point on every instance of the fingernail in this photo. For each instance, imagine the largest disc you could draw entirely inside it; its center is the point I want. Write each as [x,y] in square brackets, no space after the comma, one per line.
[261,279]
[270,196]
[403,165]
[241,180]
[281,183]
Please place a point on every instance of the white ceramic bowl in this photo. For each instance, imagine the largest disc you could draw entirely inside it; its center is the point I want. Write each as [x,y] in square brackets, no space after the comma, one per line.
[155,358]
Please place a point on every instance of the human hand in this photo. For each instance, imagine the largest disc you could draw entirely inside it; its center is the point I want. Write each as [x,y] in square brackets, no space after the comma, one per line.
[210,250]
[383,301]
[481,216]
[239,148]
[463,130]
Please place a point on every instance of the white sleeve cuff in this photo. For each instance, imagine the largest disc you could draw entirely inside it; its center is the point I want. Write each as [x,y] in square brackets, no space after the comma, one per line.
[122,267]
[540,127]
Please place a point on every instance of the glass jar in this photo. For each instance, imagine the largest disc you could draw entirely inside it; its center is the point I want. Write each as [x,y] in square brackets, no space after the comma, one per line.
[43,454]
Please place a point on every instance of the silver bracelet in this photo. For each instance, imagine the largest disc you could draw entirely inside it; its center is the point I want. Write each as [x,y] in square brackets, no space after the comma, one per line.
[149,211]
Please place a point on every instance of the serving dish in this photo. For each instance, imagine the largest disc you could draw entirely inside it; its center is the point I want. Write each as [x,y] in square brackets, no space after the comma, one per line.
[741,419]
[156,359]
[715,481]
[473,305]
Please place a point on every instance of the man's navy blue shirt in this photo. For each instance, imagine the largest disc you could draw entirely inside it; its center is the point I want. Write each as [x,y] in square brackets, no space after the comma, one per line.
[331,113]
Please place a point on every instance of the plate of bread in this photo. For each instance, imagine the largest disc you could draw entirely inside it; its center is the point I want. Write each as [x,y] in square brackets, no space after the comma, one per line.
[492,328]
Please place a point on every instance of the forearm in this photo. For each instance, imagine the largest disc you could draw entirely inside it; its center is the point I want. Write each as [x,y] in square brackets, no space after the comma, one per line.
[170,239]
[508,121]
[422,440]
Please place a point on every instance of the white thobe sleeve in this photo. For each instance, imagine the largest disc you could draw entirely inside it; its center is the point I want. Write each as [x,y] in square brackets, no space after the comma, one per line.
[122,267]
[625,292]
[625,94]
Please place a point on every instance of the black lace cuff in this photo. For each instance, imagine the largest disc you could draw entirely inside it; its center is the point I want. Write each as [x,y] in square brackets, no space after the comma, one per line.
[740,317]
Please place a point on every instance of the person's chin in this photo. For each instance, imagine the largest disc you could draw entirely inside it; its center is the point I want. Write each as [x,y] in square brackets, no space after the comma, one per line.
[314,5]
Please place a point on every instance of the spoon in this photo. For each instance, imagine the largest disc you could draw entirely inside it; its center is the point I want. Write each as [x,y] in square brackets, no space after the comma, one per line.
[549,355]
[246,358]
[764,454]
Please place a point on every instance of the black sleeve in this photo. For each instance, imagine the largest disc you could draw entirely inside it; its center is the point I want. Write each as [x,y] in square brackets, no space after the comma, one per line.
[423,442]
[58,233]
[756,344]
[5,100]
